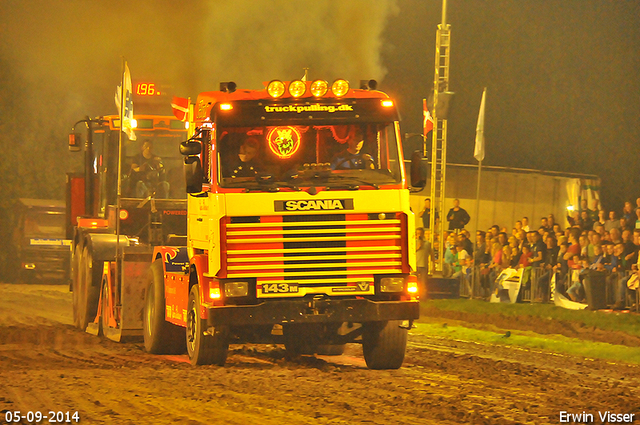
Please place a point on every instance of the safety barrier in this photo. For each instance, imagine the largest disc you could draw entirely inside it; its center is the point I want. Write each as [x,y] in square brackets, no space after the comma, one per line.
[479,283]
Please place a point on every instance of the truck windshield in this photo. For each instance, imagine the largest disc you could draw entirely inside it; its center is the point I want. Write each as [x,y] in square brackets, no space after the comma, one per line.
[346,155]
[153,163]
[44,224]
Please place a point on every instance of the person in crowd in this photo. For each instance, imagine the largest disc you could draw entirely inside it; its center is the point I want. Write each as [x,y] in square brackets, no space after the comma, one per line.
[628,213]
[461,260]
[585,218]
[551,220]
[525,257]
[593,212]
[556,228]
[626,224]
[515,251]
[637,225]
[627,285]
[574,246]
[507,256]
[594,239]
[538,250]
[574,219]
[423,255]
[599,229]
[615,235]
[583,240]
[637,202]
[550,261]
[602,219]
[450,256]
[457,217]
[463,238]
[516,227]
[576,290]
[494,230]
[561,267]
[612,222]
[544,223]
[480,248]
[425,213]
[525,224]
[503,239]
[630,249]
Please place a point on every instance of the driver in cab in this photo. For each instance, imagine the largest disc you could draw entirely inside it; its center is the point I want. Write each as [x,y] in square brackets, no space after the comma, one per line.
[351,158]
[148,174]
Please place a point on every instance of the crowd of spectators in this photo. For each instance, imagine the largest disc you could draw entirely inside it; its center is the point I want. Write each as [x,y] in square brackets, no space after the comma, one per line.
[594,241]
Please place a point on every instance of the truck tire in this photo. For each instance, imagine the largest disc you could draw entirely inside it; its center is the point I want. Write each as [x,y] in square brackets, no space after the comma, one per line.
[384,344]
[75,286]
[160,336]
[204,348]
[330,349]
[89,276]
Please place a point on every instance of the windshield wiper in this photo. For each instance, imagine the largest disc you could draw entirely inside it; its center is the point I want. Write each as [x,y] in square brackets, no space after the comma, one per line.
[352,186]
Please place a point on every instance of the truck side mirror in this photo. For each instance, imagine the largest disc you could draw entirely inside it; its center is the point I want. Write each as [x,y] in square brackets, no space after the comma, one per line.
[75,142]
[189,148]
[193,174]
[418,172]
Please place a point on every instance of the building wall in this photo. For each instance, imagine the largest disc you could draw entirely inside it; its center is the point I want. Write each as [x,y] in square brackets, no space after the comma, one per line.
[505,196]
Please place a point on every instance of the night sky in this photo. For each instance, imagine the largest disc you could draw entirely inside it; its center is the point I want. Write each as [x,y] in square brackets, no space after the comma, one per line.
[562,76]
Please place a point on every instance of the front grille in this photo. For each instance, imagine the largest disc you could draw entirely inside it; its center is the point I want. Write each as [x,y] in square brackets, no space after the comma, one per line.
[314,251]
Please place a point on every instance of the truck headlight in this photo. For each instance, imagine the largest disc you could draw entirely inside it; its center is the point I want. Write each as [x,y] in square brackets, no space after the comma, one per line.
[236,289]
[392,284]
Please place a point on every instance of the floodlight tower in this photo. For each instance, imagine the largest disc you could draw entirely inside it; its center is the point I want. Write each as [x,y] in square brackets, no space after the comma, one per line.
[441,96]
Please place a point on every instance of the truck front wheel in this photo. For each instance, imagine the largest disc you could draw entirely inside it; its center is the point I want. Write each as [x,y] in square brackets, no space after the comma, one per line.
[384,344]
[160,336]
[204,348]
[88,294]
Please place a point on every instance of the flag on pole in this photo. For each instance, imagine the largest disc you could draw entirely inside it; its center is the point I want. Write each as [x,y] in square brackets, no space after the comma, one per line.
[478,152]
[126,115]
[180,107]
[428,119]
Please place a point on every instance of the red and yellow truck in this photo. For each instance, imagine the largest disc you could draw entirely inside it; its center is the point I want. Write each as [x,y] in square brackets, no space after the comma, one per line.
[299,229]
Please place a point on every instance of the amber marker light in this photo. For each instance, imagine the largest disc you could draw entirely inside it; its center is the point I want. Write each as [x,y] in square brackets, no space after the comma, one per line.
[275,88]
[340,87]
[226,106]
[297,88]
[214,292]
[412,286]
[387,103]
[124,214]
[319,88]
[134,123]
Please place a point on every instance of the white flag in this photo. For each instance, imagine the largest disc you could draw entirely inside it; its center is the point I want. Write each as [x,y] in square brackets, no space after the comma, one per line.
[478,152]
[127,116]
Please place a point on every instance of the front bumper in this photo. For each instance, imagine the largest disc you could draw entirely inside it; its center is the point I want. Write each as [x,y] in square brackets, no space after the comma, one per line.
[313,311]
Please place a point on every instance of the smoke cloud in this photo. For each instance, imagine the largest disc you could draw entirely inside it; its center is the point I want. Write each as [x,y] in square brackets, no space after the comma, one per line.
[61,61]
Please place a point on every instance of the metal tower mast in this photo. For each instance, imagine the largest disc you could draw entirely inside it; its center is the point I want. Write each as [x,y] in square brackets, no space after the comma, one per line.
[439,139]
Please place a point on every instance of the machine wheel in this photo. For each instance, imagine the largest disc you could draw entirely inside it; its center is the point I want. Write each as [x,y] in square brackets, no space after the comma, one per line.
[160,336]
[88,292]
[75,287]
[204,348]
[384,344]
[104,315]
[330,349]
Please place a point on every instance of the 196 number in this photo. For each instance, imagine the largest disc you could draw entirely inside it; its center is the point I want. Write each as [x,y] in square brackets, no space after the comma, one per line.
[146,89]
[279,288]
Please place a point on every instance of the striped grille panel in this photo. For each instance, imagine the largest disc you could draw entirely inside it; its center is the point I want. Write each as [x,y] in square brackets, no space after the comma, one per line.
[313,251]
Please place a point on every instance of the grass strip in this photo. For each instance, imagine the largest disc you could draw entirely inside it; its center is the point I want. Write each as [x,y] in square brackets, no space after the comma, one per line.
[553,343]
[625,322]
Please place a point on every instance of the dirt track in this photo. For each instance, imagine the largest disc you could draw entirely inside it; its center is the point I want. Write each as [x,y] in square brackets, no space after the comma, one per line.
[45,364]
